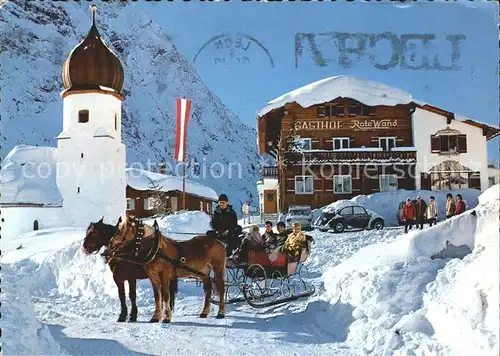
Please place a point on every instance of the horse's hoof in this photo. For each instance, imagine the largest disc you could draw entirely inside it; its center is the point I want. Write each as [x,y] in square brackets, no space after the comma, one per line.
[122,319]
[132,319]
[203,315]
[220,316]
[154,320]
[165,321]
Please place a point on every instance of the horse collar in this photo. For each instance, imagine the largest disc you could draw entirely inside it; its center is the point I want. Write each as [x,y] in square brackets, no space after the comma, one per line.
[139,235]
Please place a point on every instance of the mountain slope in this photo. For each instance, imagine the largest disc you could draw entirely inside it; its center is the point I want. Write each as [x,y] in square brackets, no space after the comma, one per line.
[38,37]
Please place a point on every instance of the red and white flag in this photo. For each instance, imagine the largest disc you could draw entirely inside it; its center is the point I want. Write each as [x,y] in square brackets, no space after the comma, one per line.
[183,107]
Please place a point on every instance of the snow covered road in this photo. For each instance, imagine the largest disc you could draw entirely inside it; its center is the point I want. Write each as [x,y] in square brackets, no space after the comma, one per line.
[76,299]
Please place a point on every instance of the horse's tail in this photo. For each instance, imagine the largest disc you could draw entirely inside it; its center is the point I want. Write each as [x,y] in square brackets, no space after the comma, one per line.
[173,291]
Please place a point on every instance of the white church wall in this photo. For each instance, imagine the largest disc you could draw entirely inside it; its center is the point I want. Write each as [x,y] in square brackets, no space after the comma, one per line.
[19,220]
[102,110]
[92,178]
[426,123]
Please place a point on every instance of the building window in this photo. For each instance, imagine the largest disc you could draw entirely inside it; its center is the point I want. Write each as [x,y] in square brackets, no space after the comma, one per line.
[130,204]
[321,111]
[341,142]
[387,143]
[35,225]
[78,190]
[201,205]
[270,197]
[337,110]
[388,182]
[304,185]
[83,116]
[491,181]
[305,143]
[81,155]
[354,110]
[116,122]
[149,204]
[342,184]
[368,110]
[449,144]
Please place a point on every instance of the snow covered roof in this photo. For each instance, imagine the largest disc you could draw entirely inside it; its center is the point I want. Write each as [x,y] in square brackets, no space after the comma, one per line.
[368,92]
[140,179]
[28,175]
[365,91]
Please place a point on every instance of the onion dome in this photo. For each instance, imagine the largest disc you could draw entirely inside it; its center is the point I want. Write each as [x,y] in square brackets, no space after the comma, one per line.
[92,65]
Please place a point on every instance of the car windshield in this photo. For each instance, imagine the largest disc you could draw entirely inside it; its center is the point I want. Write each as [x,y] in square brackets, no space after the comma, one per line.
[298,212]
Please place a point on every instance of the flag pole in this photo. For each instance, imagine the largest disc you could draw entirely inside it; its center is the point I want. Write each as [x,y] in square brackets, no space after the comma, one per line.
[184,184]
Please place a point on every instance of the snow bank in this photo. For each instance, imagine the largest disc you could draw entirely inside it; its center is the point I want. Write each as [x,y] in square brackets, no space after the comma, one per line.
[182,226]
[28,175]
[325,90]
[405,302]
[140,179]
[386,204]
[22,334]
[20,220]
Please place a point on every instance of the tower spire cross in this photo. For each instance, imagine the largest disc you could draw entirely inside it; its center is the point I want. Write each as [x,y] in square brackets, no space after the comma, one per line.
[94,9]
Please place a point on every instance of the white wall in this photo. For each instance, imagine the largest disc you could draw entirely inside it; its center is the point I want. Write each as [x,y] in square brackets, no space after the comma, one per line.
[495,173]
[19,220]
[426,123]
[100,174]
[267,184]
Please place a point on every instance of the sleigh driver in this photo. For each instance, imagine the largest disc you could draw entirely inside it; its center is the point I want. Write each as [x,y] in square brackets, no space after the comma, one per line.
[225,225]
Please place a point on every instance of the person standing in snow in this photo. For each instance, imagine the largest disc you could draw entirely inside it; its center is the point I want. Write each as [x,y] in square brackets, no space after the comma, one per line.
[432,211]
[408,214]
[245,209]
[460,208]
[450,206]
[225,224]
[420,210]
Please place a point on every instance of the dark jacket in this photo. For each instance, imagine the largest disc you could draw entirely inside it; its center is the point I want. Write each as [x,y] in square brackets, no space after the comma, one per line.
[420,209]
[272,237]
[223,220]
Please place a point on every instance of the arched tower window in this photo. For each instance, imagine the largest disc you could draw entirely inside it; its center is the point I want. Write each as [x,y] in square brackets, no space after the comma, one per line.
[83,116]
[35,225]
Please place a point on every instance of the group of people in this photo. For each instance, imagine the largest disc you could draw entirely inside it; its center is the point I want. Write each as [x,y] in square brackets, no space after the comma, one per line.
[225,228]
[421,212]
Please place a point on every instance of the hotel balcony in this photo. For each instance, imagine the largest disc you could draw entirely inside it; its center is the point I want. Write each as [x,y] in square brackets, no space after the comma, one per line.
[269,172]
[404,155]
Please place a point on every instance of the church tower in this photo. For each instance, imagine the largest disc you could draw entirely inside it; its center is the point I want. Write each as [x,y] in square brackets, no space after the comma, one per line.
[90,153]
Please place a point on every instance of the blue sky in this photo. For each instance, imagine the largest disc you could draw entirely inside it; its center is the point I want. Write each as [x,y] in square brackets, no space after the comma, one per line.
[245,86]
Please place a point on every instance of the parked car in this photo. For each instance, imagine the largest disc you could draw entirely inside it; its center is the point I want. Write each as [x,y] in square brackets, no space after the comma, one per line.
[301,214]
[350,217]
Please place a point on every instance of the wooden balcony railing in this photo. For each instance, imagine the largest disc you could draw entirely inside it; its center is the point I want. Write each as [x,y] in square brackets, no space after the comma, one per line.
[269,172]
[331,156]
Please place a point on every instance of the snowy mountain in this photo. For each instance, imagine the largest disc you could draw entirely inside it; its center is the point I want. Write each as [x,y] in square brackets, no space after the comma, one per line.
[37,39]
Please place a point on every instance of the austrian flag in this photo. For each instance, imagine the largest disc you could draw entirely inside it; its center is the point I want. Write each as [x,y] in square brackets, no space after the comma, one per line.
[183,107]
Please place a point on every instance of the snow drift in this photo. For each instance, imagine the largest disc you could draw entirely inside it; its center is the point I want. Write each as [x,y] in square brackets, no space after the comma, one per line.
[405,300]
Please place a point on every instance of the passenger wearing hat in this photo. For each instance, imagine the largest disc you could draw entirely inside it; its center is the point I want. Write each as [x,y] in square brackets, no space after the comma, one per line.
[225,225]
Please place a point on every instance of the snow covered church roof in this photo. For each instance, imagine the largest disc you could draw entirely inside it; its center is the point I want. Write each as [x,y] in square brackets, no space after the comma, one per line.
[140,179]
[28,176]
[368,92]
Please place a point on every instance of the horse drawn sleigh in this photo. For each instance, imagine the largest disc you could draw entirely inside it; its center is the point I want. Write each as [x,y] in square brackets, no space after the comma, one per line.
[138,251]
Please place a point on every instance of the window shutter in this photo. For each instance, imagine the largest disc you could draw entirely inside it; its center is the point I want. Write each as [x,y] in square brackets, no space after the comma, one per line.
[435,144]
[462,143]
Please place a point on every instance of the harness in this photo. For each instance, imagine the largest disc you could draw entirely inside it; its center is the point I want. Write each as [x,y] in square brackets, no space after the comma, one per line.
[154,252]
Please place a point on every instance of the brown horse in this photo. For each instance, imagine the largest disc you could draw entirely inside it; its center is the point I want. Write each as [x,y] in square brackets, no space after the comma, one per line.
[176,259]
[99,235]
